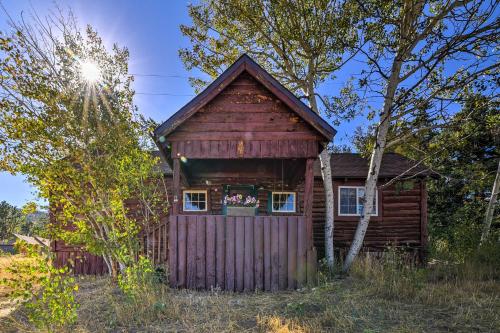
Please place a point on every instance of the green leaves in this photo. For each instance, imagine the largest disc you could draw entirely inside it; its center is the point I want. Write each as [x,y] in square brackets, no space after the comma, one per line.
[81,143]
[300,42]
[47,293]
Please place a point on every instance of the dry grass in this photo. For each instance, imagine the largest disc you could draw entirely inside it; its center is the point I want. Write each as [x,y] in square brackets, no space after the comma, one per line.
[6,305]
[373,299]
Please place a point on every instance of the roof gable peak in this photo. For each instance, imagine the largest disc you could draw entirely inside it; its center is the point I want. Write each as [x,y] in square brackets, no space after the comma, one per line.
[246,64]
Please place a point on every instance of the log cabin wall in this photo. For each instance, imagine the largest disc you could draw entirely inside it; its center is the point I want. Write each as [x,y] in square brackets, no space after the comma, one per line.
[401,218]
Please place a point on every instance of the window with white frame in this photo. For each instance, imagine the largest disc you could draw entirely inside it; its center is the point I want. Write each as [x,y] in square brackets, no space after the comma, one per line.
[283,202]
[351,199]
[194,201]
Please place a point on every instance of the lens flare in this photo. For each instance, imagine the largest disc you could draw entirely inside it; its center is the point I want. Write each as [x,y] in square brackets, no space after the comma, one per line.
[90,71]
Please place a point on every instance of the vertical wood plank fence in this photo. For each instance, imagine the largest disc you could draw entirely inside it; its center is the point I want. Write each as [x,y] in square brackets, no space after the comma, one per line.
[239,253]
[80,262]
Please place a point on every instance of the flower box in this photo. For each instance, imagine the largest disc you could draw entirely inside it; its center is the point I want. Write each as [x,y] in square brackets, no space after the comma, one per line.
[240,211]
[238,205]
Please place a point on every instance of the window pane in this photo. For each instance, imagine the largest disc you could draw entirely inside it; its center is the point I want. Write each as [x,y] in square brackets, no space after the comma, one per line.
[283,202]
[348,201]
[195,201]
[361,200]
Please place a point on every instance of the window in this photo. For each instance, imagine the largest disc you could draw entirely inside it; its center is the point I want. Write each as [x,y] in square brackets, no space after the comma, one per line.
[195,201]
[283,202]
[351,201]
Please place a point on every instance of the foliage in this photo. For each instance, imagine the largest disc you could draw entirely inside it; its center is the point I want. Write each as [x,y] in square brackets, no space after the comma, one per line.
[419,58]
[137,278]
[10,219]
[464,156]
[47,293]
[78,139]
[26,222]
[394,274]
[301,43]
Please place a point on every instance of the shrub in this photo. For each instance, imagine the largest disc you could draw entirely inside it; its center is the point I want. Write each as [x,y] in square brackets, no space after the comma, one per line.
[392,275]
[138,277]
[47,293]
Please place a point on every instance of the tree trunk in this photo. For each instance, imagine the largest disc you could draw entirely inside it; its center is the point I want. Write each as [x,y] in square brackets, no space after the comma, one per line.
[326,174]
[374,169]
[490,210]
[108,263]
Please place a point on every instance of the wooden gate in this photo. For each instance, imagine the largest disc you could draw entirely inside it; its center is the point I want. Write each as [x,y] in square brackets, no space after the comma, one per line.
[240,253]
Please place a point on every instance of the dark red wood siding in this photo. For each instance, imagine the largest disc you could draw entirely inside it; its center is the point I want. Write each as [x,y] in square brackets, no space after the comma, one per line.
[245,120]
[242,266]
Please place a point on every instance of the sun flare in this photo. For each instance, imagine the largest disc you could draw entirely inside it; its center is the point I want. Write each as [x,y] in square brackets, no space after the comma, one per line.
[90,71]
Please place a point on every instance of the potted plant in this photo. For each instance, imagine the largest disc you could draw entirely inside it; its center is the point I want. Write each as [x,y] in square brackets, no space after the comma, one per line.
[238,205]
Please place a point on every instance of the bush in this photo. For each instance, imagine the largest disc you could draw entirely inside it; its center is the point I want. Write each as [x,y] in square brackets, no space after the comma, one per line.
[47,293]
[392,275]
[139,277]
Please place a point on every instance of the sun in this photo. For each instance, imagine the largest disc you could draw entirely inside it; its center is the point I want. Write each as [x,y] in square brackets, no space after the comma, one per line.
[89,71]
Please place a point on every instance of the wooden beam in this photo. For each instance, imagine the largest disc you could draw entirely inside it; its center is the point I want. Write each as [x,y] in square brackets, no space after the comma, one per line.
[308,198]
[184,177]
[176,185]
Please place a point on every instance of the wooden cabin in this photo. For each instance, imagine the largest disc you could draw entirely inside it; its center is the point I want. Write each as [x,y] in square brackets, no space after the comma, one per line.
[247,135]
[244,136]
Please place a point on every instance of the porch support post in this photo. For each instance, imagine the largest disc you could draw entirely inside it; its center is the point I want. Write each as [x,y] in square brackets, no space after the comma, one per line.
[177,189]
[308,199]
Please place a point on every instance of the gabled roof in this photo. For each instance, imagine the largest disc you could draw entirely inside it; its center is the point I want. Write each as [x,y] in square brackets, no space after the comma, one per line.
[351,165]
[245,63]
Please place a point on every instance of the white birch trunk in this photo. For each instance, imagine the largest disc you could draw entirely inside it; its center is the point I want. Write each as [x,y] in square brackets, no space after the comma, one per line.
[490,210]
[374,168]
[326,174]
[109,264]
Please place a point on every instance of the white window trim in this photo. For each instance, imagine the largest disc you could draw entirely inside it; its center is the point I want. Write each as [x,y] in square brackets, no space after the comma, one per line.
[194,191]
[284,211]
[357,188]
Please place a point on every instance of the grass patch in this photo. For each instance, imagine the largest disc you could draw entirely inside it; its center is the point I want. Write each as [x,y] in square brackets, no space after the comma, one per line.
[379,296]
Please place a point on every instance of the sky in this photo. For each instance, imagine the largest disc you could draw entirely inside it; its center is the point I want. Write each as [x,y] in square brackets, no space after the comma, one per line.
[150,30]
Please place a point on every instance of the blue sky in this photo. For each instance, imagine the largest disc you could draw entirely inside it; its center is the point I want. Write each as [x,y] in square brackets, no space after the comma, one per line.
[150,30]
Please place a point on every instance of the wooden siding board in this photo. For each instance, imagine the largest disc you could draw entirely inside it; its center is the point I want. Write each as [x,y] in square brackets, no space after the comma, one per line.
[259,253]
[239,253]
[201,254]
[292,252]
[248,274]
[230,253]
[267,252]
[274,253]
[191,252]
[211,233]
[220,251]
[301,252]
[182,249]
[283,255]
[173,278]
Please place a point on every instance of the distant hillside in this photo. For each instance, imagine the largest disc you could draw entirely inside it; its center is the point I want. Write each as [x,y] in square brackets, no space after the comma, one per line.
[37,216]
